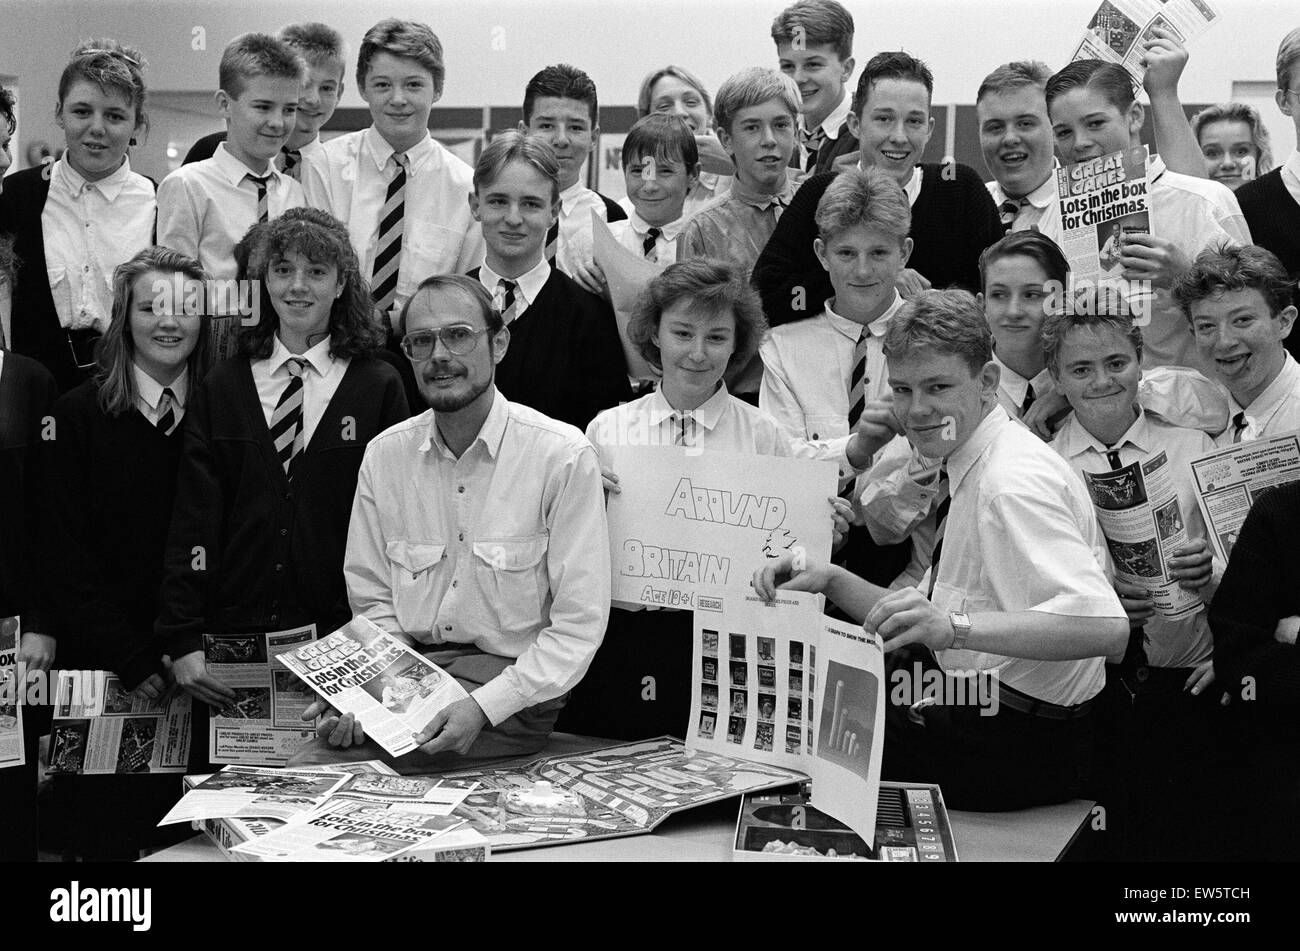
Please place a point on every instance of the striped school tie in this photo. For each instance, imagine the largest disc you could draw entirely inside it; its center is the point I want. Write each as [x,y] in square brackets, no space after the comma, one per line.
[506,301]
[388,249]
[1030,396]
[291,163]
[262,204]
[552,241]
[858,379]
[1008,210]
[940,525]
[286,419]
[650,246]
[168,418]
[1112,456]
[1238,426]
[812,143]
[684,427]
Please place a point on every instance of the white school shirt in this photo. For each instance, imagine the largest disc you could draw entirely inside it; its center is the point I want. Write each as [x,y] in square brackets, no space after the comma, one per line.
[722,422]
[320,378]
[149,393]
[807,365]
[349,178]
[1021,535]
[1273,412]
[577,202]
[89,228]
[1012,388]
[206,207]
[6,311]
[1037,205]
[631,233]
[527,285]
[1187,641]
[1195,213]
[505,548]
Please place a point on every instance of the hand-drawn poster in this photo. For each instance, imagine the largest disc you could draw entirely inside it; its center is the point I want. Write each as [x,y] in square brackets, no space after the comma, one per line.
[688,518]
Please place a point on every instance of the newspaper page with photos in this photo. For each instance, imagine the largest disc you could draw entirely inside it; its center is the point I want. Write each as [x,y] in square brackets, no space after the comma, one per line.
[263,726]
[1137,507]
[361,669]
[255,792]
[1103,201]
[351,831]
[757,667]
[101,727]
[11,695]
[1229,480]
[1119,30]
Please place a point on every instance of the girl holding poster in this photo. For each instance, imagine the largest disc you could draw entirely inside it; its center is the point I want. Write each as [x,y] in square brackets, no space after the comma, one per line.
[696,320]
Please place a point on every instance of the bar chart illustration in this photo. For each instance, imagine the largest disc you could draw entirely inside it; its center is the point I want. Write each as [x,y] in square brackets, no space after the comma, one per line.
[848,711]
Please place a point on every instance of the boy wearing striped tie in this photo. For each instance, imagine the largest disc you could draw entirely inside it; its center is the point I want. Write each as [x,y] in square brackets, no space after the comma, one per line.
[824,378]
[814,43]
[661,164]
[204,208]
[400,193]
[1019,607]
[1238,300]
[565,359]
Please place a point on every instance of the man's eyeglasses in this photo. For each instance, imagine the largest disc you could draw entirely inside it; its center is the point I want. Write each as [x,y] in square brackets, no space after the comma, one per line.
[459,339]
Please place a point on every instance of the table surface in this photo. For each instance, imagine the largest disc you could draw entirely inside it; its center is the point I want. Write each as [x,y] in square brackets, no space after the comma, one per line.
[706,833]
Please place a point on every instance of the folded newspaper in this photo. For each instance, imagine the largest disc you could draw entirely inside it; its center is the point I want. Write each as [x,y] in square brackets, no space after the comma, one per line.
[349,830]
[100,727]
[361,669]
[1120,29]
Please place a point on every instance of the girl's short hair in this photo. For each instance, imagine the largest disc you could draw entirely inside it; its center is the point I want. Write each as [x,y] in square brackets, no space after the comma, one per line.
[353,326]
[712,285]
[1056,326]
[1109,79]
[643,105]
[115,352]
[405,39]
[753,87]
[1239,112]
[112,67]
[1034,245]
[666,138]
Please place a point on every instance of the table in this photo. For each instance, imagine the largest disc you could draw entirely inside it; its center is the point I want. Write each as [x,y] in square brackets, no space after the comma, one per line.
[706,833]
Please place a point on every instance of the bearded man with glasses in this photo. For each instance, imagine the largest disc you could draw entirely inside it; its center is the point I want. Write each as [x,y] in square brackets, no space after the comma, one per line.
[478,536]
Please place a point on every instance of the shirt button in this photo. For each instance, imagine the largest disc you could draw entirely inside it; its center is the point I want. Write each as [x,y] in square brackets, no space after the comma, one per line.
[461,536]
[454,583]
[447,628]
[459,488]
[283,532]
[816,436]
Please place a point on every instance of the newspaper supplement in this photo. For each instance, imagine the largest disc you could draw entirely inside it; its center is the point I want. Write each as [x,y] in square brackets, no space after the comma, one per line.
[252,792]
[757,668]
[361,669]
[350,831]
[1102,200]
[11,711]
[110,730]
[1137,507]
[1120,29]
[1229,480]
[263,726]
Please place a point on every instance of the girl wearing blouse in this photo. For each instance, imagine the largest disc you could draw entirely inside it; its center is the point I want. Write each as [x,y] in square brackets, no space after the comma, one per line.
[696,320]
[75,220]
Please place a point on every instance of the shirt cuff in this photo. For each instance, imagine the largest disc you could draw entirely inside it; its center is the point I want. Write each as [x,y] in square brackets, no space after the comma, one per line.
[1081,605]
[499,698]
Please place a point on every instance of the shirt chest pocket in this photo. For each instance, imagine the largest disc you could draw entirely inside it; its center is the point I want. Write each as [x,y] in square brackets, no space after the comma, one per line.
[511,573]
[416,572]
[824,427]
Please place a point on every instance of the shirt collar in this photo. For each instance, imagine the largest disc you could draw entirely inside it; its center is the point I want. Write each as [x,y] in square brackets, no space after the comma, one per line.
[913,187]
[853,330]
[490,434]
[967,454]
[1074,439]
[529,284]
[233,170]
[380,151]
[1040,197]
[707,414]
[741,191]
[1266,404]
[1155,168]
[71,180]
[670,230]
[831,124]
[150,390]
[318,357]
[1292,164]
[574,197]
[1016,385]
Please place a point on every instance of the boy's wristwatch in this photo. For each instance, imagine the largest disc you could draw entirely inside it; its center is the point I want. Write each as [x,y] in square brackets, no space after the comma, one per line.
[960,629]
